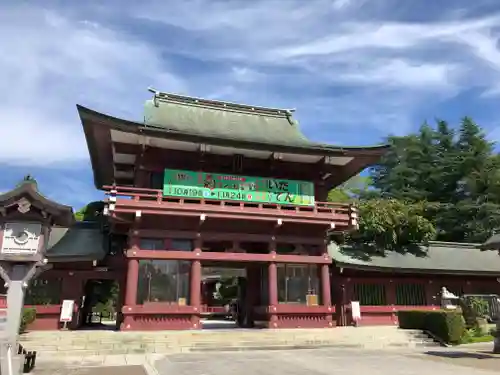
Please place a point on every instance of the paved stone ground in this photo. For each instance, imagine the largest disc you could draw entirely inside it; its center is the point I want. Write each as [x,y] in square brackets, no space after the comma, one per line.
[475,356]
[57,369]
[318,362]
[443,361]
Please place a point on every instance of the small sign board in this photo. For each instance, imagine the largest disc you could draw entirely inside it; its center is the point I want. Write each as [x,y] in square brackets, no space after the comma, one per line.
[355,311]
[67,311]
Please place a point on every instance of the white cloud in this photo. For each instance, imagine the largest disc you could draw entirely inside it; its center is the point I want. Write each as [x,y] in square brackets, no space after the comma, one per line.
[344,64]
[52,63]
[356,44]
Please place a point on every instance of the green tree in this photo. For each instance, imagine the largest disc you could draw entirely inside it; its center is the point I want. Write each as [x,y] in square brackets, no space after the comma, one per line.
[393,224]
[384,223]
[358,187]
[458,173]
[91,212]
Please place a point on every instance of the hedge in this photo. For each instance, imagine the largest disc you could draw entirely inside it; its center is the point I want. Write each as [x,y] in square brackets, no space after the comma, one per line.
[28,317]
[447,325]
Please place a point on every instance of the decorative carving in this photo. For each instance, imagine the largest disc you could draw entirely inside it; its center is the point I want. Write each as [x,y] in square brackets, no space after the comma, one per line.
[21,238]
[23,205]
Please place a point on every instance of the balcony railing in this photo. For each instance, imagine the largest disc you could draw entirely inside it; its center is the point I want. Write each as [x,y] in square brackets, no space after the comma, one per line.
[131,199]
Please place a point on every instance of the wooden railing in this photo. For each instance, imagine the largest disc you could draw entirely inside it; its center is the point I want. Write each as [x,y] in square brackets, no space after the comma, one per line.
[345,213]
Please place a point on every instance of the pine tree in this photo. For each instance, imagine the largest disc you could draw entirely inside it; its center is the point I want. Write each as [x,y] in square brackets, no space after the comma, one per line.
[459,175]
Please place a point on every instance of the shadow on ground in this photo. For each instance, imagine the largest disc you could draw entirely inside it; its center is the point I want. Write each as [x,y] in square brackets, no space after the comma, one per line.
[474,358]
[461,354]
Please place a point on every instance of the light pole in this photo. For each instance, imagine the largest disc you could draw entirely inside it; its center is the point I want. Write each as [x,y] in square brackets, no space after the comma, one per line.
[493,243]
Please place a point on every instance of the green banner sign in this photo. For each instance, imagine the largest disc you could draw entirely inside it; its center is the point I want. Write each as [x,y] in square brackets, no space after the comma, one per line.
[188,184]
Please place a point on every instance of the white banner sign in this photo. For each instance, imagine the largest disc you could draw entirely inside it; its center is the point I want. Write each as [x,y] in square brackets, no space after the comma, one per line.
[355,310]
[67,310]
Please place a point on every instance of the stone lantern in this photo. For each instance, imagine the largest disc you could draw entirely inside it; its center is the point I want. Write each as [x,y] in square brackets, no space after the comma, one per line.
[493,243]
[26,219]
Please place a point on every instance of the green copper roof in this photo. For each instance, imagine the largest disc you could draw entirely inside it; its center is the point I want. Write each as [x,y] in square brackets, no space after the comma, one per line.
[81,242]
[437,257]
[224,120]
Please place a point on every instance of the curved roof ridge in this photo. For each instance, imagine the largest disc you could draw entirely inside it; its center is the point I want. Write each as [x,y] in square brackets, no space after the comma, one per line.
[219,104]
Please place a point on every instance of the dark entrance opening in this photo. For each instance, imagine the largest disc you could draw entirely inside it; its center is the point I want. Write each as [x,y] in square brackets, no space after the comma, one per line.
[99,305]
[228,298]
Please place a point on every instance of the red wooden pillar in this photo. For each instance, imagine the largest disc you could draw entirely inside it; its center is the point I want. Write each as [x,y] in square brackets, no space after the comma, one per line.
[132,277]
[326,293]
[340,306]
[195,286]
[273,288]
[122,282]
[390,293]
[130,292]
[252,291]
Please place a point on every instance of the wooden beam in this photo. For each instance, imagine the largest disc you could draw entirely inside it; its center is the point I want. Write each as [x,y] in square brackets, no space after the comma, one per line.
[126,148]
[121,167]
[227,257]
[224,236]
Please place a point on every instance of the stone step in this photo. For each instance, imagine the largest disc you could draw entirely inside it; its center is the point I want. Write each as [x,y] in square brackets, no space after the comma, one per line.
[88,342]
[119,348]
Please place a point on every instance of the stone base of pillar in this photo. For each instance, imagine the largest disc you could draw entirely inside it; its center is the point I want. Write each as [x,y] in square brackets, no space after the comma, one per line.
[496,343]
[196,322]
[496,346]
[17,365]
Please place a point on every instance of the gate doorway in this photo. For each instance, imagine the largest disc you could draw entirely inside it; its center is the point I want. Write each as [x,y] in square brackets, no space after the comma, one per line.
[99,305]
[228,299]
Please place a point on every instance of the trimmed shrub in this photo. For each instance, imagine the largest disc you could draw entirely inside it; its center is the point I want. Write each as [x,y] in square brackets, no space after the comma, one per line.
[447,325]
[28,317]
[473,308]
[412,319]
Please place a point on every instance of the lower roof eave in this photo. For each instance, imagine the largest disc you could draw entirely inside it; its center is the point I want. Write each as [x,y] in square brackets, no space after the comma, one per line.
[70,259]
[417,270]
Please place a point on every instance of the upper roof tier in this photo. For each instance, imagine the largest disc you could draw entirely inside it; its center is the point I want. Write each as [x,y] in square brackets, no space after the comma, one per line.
[183,123]
[224,120]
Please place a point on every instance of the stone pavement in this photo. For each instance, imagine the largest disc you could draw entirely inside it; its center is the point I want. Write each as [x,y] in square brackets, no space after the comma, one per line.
[129,364]
[443,361]
[118,370]
[312,362]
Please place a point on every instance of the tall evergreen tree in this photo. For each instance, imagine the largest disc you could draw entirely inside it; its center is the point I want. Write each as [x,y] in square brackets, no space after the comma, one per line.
[459,174]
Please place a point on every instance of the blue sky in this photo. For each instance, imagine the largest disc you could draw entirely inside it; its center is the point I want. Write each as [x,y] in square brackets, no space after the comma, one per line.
[355,70]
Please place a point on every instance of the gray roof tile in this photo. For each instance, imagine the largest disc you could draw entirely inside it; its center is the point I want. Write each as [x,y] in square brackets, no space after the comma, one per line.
[437,257]
[82,241]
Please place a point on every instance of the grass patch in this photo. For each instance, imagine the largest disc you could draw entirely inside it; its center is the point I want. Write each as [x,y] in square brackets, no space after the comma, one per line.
[474,336]
[487,338]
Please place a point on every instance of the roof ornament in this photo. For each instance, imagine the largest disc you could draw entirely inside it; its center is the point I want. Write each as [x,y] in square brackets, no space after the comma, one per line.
[23,205]
[27,179]
[155,97]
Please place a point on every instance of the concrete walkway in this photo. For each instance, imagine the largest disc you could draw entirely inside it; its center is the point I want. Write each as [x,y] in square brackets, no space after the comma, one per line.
[443,361]
[124,364]
[319,362]
[121,370]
